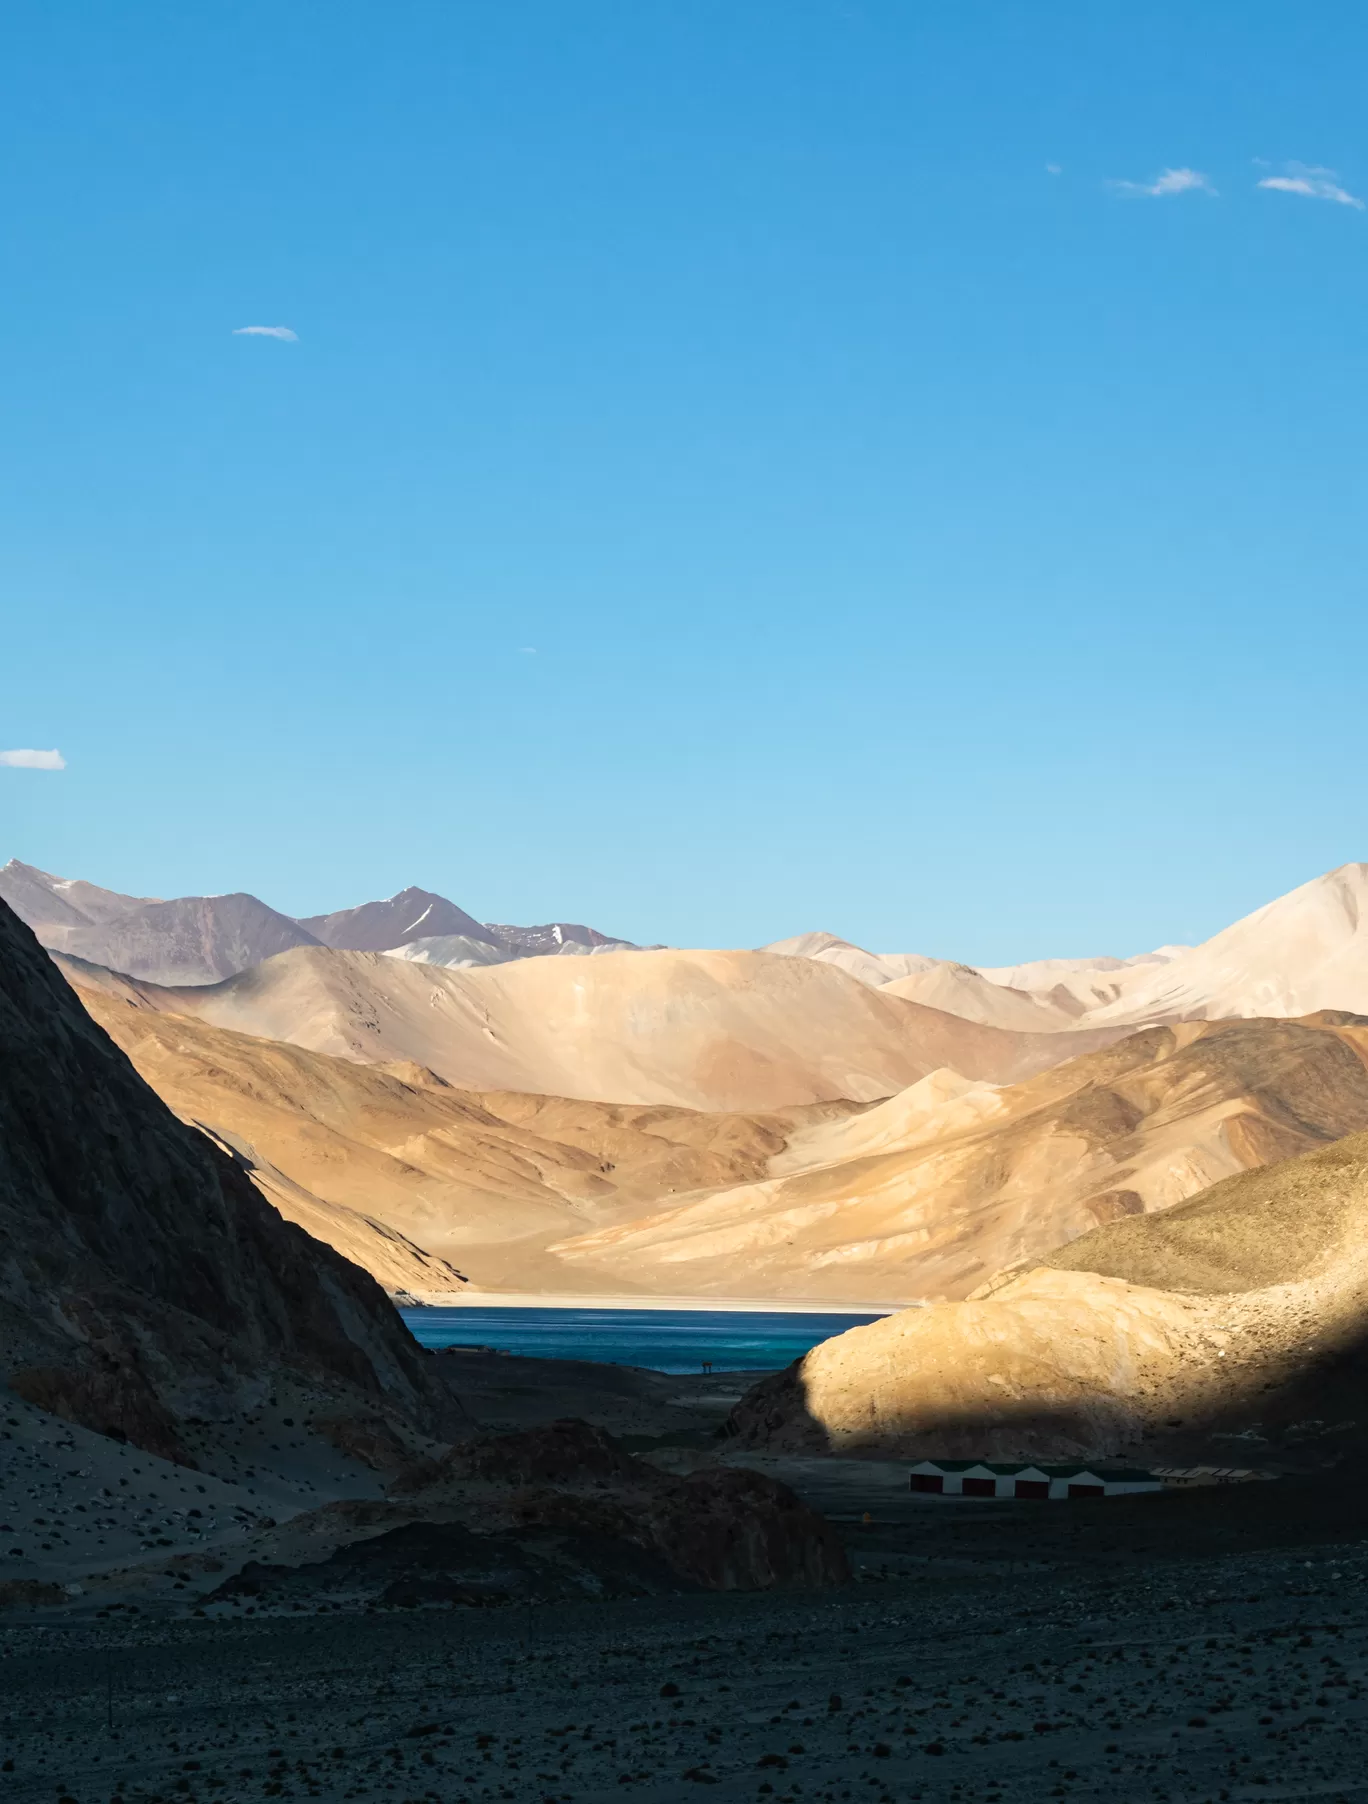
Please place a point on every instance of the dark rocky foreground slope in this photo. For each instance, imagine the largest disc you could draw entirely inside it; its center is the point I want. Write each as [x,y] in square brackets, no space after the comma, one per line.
[143,1280]
[150,1294]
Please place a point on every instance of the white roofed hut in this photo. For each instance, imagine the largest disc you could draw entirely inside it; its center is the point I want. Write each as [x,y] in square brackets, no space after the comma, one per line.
[1019,1478]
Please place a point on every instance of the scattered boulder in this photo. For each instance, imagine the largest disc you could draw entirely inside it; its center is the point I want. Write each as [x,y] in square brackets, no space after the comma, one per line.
[109,1392]
[368,1438]
[425,1563]
[719,1529]
[30,1594]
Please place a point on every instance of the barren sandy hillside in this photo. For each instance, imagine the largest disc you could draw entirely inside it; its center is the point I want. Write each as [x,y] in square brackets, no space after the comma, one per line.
[702,1030]
[411,1177]
[1307,950]
[928,1194]
[874,968]
[924,1194]
[1203,1317]
[961,991]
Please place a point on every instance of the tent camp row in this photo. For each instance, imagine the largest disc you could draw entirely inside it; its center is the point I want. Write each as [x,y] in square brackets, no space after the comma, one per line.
[982,1478]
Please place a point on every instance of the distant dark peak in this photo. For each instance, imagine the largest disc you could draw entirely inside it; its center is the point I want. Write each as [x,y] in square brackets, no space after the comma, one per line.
[380,926]
[190,939]
[203,939]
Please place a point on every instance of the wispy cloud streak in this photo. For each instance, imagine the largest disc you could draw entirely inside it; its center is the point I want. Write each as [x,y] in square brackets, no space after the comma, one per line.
[1314,183]
[31,760]
[1168,181]
[266,332]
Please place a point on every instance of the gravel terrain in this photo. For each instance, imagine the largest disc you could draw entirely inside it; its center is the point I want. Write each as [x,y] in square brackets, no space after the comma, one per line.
[1211,1647]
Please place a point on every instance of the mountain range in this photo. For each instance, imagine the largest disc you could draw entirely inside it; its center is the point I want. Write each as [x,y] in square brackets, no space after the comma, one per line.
[1303,952]
[203,939]
[809,1120]
[699,1030]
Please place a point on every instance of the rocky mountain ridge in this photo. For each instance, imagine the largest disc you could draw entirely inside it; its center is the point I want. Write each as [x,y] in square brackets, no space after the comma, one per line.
[204,939]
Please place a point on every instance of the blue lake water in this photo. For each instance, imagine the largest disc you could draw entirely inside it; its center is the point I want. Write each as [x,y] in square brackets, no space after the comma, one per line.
[665,1340]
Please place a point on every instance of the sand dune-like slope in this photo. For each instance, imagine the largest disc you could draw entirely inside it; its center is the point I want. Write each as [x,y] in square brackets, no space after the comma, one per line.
[1306,951]
[703,1030]
[1068,985]
[1196,1316]
[873,968]
[405,1269]
[1045,973]
[421,1183]
[958,990]
[928,1194]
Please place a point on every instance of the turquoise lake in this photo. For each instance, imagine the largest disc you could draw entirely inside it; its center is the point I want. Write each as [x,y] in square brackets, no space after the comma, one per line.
[665,1340]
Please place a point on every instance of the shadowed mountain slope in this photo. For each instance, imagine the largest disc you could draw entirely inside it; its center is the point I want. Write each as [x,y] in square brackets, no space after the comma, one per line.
[143,1277]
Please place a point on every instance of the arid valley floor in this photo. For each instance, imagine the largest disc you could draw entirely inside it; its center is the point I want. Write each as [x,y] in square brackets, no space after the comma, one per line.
[1167,1648]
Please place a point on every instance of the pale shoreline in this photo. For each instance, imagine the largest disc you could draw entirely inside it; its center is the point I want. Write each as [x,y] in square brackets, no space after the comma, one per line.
[517,1299]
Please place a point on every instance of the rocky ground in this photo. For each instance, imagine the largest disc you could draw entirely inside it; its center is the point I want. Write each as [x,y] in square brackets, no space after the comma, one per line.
[85,1520]
[248,1630]
[1150,1648]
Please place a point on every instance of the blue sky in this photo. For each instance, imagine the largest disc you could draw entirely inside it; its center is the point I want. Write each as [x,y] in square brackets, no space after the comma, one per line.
[740,468]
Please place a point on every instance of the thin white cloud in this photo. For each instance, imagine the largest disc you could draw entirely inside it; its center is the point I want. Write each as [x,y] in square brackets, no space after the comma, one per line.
[1169,181]
[31,760]
[266,332]
[1314,183]
[1054,169]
